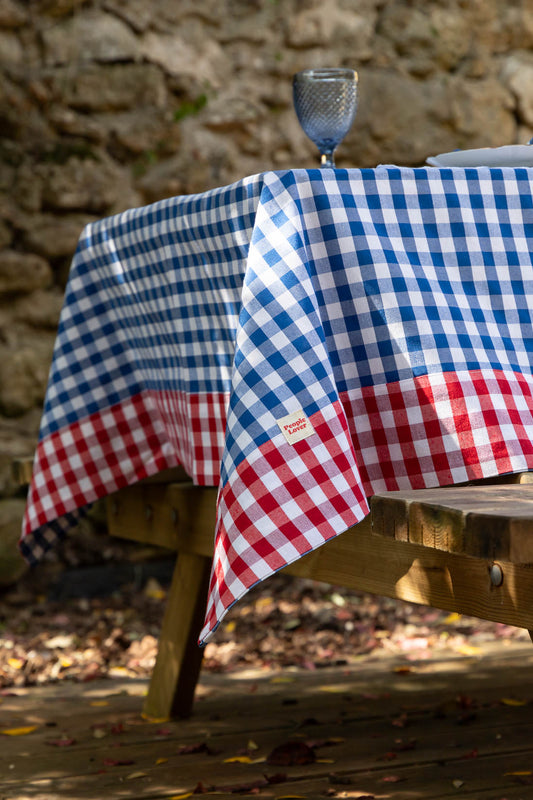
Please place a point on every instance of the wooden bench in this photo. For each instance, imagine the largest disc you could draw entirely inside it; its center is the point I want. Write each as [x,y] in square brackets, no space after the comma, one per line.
[467,549]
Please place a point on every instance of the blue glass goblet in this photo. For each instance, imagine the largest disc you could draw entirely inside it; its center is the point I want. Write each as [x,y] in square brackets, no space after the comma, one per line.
[325,101]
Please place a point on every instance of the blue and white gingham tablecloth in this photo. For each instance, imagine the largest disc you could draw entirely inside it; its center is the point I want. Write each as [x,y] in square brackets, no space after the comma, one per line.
[303,339]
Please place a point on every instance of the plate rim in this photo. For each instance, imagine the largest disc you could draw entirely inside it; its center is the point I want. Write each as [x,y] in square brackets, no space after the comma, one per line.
[481,150]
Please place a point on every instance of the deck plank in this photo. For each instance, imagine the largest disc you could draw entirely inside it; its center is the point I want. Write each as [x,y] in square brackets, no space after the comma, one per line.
[451,710]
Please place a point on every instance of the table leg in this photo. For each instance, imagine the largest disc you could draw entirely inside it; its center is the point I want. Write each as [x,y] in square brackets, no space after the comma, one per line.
[179,657]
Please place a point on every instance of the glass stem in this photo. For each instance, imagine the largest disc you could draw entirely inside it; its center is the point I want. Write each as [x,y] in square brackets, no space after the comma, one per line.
[327,158]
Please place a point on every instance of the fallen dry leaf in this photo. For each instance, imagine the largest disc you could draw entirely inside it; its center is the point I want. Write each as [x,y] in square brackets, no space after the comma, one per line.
[452,618]
[201,788]
[19,731]
[198,747]
[332,688]
[154,590]
[291,754]
[117,728]
[238,760]
[469,650]
[519,772]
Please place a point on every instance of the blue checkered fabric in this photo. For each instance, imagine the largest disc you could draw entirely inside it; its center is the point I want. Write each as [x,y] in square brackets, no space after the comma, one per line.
[358,278]
[152,302]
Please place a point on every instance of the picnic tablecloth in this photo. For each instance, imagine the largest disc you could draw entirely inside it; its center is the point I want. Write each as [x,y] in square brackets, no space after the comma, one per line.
[301,339]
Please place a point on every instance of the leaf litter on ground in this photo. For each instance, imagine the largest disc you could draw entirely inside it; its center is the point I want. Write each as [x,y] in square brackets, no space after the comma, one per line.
[46,637]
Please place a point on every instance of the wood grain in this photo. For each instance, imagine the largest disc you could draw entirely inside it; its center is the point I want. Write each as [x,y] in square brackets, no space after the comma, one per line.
[489,522]
[179,658]
[178,516]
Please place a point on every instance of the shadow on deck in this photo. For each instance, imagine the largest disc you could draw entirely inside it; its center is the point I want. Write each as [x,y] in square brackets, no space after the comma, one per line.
[448,727]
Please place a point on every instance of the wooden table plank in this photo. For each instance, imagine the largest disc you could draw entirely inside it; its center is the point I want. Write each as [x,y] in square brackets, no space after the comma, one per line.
[177,516]
[489,522]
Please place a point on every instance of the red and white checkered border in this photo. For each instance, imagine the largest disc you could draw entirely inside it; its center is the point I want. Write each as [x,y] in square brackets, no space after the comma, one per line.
[425,431]
[122,445]
[280,503]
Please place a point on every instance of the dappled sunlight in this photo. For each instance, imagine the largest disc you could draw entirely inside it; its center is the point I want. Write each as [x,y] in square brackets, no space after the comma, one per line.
[421,583]
[384,728]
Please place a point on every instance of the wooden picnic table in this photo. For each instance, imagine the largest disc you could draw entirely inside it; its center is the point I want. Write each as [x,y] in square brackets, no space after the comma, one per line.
[467,549]
[224,330]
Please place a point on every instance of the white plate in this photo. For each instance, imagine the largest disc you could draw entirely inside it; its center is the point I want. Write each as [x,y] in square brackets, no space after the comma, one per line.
[511,155]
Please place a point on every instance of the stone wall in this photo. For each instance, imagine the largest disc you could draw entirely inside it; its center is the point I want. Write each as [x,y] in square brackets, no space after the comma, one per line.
[109,104]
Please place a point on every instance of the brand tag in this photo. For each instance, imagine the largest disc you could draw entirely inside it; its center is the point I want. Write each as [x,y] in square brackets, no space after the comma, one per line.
[295,427]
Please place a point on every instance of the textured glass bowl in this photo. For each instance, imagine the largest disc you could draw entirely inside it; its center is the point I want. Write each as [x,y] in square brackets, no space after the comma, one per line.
[325,101]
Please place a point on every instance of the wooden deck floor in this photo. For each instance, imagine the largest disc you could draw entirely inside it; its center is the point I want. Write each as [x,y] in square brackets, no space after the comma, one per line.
[459,727]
